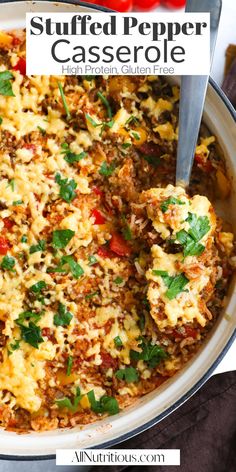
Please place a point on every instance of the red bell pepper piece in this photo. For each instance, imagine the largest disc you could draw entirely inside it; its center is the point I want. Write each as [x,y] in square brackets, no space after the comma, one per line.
[21,66]
[99,218]
[4,246]
[119,245]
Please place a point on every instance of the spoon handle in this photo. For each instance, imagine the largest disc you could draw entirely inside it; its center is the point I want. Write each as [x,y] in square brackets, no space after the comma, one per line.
[192,97]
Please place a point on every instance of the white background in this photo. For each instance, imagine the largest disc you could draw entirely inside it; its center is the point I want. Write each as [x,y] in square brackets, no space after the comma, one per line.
[227,34]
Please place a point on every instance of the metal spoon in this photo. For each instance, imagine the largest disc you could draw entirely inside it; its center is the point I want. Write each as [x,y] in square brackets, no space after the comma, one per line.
[192,97]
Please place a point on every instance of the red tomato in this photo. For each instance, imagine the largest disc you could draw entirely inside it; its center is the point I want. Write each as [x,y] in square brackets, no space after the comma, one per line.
[108,361]
[119,245]
[99,218]
[8,223]
[118,5]
[16,41]
[205,164]
[188,332]
[146,4]
[104,251]
[98,192]
[174,3]
[21,66]
[4,245]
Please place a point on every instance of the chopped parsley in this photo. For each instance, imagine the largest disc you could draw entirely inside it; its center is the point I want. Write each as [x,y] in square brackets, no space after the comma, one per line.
[170,201]
[151,353]
[68,115]
[91,295]
[129,374]
[24,239]
[31,334]
[103,124]
[1,120]
[17,202]
[69,365]
[104,404]
[12,184]
[132,120]
[5,83]
[69,156]
[42,130]
[118,341]
[61,237]
[38,247]
[106,170]
[152,160]
[67,403]
[92,260]
[118,280]
[14,346]
[175,284]
[63,317]
[106,103]
[76,270]
[8,263]
[199,226]
[38,287]
[136,136]
[67,188]
[126,145]
[126,231]
[28,315]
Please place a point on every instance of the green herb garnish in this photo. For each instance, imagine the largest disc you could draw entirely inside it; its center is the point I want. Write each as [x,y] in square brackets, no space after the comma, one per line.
[118,341]
[64,101]
[175,284]
[126,231]
[92,260]
[129,374]
[12,184]
[8,263]
[67,188]
[42,130]
[70,156]
[24,239]
[118,280]
[106,170]
[105,404]
[152,160]
[31,334]
[63,317]
[14,346]
[151,353]
[38,247]
[126,145]
[1,120]
[67,403]
[106,103]
[61,237]
[69,365]
[38,287]
[91,295]
[136,136]
[17,202]
[5,83]
[199,226]
[170,201]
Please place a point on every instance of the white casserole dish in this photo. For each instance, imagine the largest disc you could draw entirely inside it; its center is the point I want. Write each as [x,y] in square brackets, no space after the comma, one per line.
[220,117]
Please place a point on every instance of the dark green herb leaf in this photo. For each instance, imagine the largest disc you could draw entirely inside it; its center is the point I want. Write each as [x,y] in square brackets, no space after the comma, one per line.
[118,342]
[126,145]
[91,295]
[106,170]
[129,374]
[24,239]
[151,353]
[69,365]
[105,404]
[176,286]
[14,346]
[1,120]
[132,120]
[70,156]
[5,83]
[76,269]
[170,201]
[152,160]
[42,130]
[31,334]
[36,288]
[136,136]
[61,237]
[17,202]
[118,280]
[64,101]
[67,403]
[199,226]
[106,103]
[8,263]
[27,315]
[92,260]
[63,317]
[38,247]
[12,184]
[67,188]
